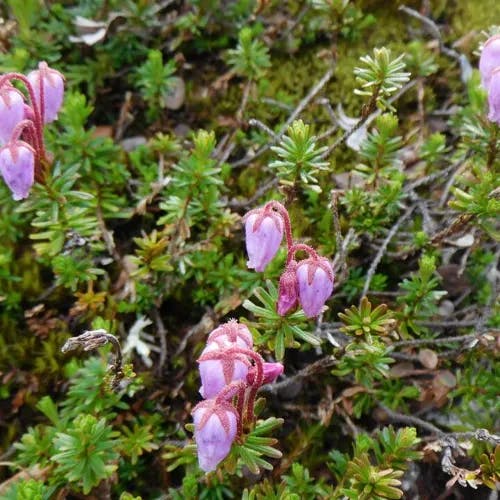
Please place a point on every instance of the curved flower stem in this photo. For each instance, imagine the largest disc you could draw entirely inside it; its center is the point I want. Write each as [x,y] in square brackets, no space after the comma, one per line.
[276,205]
[21,127]
[236,388]
[301,246]
[258,381]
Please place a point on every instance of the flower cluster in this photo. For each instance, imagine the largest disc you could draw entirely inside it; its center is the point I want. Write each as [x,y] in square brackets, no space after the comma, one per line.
[23,158]
[489,67]
[308,282]
[231,374]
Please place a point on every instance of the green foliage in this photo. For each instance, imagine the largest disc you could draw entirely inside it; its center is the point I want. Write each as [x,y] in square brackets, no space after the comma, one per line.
[340,16]
[367,362]
[480,197]
[379,150]
[154,79]
[360,478]
[369,482]
[381,76]
[367,322]
[86,452]
[29,490]
[250,58]
[280,332]
[419,60]
[256,448]
[300,159]
[420,297]
[490,468]
[140,216]
[80,446]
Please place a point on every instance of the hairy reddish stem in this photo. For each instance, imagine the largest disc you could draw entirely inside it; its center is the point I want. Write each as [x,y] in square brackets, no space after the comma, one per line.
[276,205]
[301,246]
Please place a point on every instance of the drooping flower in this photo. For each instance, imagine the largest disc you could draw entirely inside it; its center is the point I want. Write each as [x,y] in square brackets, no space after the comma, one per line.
[494,97]
[271,372]
[215,428]
[288,290]
[11,111]
[52,83]
[17,167]
[489,60]
[219,367]
[231,334]
[315,279]
[263,234]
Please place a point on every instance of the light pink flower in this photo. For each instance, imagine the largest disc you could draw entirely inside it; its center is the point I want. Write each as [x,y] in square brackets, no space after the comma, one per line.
[315,278]
[263,235]
[17,167]
[489,60]
[218,368]
[494,97]
[53,90]
[11,111]
[215,428]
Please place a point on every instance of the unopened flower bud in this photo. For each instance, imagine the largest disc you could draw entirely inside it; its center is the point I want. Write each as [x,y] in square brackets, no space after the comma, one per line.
[11,111]
[315,278]
[215,428]
[17,167]
[53,90]
[489,60]
[263,235]
[288,291]
[494,97]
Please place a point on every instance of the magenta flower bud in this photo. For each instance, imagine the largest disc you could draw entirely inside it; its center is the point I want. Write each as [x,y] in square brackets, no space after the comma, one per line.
[231,334]
[215,428]
[315,278]
[11,111]
[218,368]
[271,372]
[17,167]
[494,97]
[53,90]
[263,235]
[489,60]
[288,290]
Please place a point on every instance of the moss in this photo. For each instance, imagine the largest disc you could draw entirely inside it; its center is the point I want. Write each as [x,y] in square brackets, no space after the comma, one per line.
[473,16]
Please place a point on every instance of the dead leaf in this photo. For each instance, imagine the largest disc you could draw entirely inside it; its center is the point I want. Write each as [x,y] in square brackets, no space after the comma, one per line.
[428,358]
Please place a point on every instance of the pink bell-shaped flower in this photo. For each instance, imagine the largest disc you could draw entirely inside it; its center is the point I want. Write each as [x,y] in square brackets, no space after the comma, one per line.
[271,372]
[53,90]
[489,60]
[263,234]
[315,279]
[11,111]
[231,334]
[288,290]
[17,167]
[218,368]
[215,428]
[494,97]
